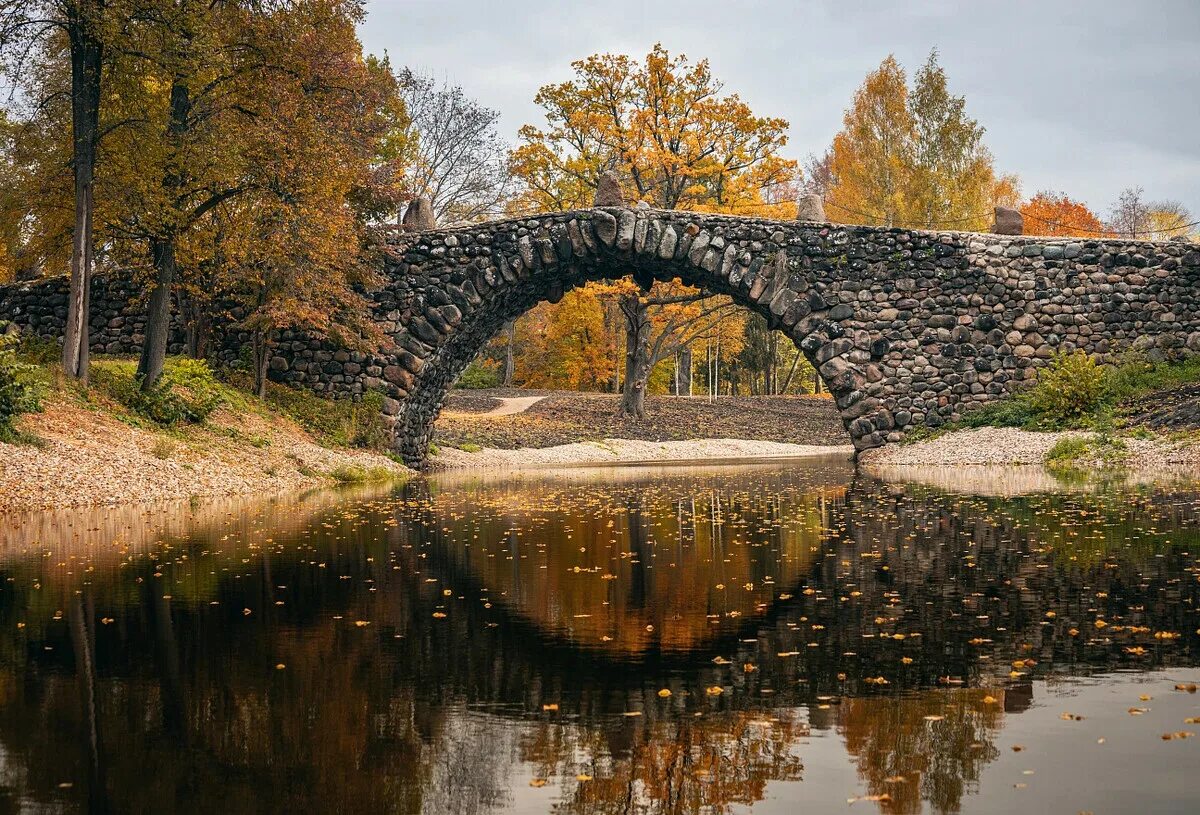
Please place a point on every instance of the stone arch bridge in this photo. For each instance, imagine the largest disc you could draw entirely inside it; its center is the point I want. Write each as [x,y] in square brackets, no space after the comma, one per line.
[908,328]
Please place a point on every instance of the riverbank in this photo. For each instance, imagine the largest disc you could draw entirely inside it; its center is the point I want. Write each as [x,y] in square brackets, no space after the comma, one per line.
[1008,446]
[85,448]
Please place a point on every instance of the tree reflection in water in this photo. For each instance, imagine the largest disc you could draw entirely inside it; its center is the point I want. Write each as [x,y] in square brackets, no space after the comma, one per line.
[663,642]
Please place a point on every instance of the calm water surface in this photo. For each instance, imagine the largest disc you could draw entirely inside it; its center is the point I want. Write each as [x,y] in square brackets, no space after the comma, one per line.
[778,638]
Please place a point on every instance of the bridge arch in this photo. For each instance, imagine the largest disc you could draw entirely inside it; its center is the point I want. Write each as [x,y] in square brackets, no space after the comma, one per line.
[907,328]
[462,286]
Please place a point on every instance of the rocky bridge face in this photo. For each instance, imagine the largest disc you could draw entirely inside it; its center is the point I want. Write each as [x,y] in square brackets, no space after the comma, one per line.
[908,328]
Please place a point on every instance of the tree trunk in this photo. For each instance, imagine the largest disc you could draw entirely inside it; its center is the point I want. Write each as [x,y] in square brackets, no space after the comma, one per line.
[162,251]
[509,363]
[86,56]
[158,316]
[83,646]
[261,358]
[196,320]
[637,356]
[685,371]
[795,364]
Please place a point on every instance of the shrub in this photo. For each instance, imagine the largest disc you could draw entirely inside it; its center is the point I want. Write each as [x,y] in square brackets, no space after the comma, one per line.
[187,391]
[335,421]
[477,376]
[20,391]
[1069,388]
[1007,413]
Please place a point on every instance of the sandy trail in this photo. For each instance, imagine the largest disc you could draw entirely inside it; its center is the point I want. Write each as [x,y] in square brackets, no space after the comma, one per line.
[509,406]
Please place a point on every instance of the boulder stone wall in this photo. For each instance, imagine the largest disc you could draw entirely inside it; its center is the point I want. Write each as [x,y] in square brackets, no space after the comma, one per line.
[908,328]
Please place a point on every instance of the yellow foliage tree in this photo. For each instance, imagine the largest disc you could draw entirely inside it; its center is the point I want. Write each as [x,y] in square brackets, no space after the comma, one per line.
[664,128]
[913,157]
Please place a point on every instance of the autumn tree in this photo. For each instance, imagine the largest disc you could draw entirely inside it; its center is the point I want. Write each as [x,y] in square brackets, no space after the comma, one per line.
[33,35]
[1056,214]
[1134,217]
[911,157]
[459,161]
[664,128]
[255,129]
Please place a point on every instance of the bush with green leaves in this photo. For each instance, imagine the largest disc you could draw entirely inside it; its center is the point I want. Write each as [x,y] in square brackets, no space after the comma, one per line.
[478,376]
[20,391]
[187,391]
[1071,387]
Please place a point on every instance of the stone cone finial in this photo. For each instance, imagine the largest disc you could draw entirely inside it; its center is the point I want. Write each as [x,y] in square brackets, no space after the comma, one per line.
[608,191]
[810,207]
[1008,222]
[419,215]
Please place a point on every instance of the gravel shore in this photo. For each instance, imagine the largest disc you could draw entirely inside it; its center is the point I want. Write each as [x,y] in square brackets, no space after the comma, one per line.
[990,446]
[631,451]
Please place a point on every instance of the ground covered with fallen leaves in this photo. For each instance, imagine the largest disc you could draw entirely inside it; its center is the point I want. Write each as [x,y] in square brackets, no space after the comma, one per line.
[78,454]
[1171,409]
[564,417]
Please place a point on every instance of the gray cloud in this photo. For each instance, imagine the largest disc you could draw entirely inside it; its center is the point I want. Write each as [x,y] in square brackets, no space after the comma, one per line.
[1085,98]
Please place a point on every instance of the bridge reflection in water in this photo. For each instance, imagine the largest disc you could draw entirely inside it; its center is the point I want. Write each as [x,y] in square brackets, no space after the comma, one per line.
[622,640]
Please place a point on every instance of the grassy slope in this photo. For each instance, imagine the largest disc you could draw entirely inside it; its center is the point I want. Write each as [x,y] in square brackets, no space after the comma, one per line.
[101,444]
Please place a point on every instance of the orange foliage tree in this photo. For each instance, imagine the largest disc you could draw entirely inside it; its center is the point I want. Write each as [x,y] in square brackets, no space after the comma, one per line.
[1050,213]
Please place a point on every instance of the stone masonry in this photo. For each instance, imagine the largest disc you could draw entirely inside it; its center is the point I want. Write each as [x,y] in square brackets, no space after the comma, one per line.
[908,328]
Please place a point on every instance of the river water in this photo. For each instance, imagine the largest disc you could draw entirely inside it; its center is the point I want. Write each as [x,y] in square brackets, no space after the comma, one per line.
[772,638]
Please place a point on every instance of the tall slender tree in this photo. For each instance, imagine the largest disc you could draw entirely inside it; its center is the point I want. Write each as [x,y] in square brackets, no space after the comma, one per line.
[31,33]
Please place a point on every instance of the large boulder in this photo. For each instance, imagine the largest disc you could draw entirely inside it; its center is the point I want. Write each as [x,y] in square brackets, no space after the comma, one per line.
[1008,222]
[608,191]
[810,208]
[419,217]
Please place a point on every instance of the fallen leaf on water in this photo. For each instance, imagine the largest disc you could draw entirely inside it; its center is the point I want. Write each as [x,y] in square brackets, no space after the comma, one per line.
[537,782]
[879,798]
[715,690]
[664,693]
[550,706]
[583,777]
[1181,734]
[1071,717]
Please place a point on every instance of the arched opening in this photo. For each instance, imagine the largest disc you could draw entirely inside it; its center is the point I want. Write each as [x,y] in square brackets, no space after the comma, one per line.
[461,287]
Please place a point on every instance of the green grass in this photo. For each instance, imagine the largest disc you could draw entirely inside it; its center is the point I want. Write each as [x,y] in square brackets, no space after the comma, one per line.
[354,474]
[1077,451]
[339,422]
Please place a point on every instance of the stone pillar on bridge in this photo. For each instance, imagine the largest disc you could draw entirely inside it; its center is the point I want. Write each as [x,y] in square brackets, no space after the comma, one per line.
[1008,222]
[608,191]
[810,208]
[419,217]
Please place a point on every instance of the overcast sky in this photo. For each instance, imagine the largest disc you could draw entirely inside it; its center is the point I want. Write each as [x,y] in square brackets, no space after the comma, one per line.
[1080,97]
